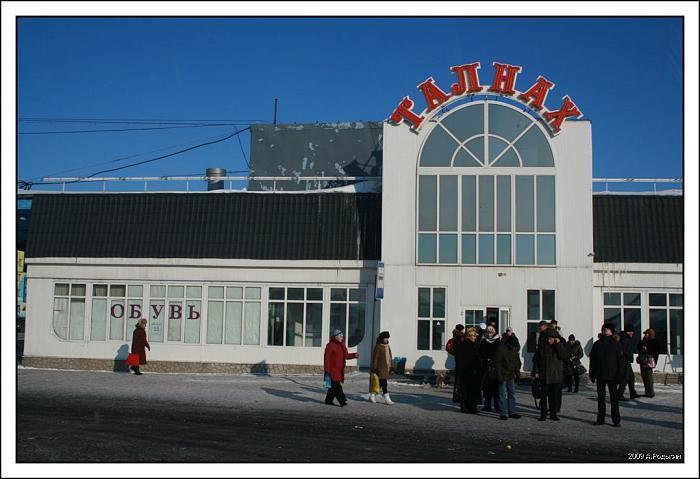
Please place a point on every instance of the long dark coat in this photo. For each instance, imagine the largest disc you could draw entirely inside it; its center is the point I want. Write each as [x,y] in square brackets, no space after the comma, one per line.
[575,352]
[607,362]
[469,371]
[334,359]
[507,362]
[139,344]
[649,346]
[548,362]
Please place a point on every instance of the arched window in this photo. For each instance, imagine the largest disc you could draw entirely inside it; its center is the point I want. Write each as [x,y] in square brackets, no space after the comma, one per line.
[486,189]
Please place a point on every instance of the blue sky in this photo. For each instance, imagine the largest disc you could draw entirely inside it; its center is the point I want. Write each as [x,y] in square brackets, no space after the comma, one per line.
[625,74]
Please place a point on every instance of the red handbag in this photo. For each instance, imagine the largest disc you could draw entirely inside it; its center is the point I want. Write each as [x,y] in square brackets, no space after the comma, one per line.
[133,359]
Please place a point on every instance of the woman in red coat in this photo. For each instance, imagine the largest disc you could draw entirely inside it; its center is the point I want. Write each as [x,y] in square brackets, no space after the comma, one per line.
[139,344]
[334,364]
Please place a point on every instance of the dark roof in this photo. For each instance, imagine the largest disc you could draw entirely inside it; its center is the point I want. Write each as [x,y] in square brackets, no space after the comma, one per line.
[318,149]
[638,228]
[284,226]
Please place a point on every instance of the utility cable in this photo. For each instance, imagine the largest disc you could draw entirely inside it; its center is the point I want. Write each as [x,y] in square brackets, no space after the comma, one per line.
[119,129]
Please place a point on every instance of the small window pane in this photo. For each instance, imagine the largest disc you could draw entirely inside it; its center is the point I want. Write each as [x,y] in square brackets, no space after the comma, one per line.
[496,147]
[175,315]
[424,335]
[156,328]
[193,321]
[312,337]
[675,299]
[77,318]
[423,302]
[79,290]
[438,302]
[448,249]
[612,299]
[613,316]
[356,323]
[476,148]
[438,335]
[533,305]
[427,203]
[534,148]
[485,249]
[546,253]
[465,122]
[676,331]
[469,203]
[236,292]
[157,291]
[548,306]
[251,326]
[448,203]
[215,321]
[216,292]
[503,203]
[134,308]
[657,322]
[633,319]
[524,203]
[357,294]
[116,320]
[506,122]
[525,249]
[99,290]
[468,249]
[486,207]
[117,290]
[194,291]
[176,291]
[633,299]
[656,299]
[296,294]
[503,249]
[545,204]
[339,294]
[275,323]
[295,324]
[61,289]
[314,294]
[98,322]
[276,293]
[427,249]
[233,322]
[531,337]
[135,291]
[438,148]
[252,293]
[338,317]
[60,316]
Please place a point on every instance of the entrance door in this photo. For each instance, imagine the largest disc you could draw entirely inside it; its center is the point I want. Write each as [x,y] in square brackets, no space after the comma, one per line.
[473,315]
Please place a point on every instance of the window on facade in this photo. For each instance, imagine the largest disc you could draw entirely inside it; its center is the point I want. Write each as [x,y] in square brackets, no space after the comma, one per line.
[666,319]
[69,311]
[348,309]
[431,318]
[116,308]
[466,217]
[295,317]
[233,315]
[540,306]
[622,309]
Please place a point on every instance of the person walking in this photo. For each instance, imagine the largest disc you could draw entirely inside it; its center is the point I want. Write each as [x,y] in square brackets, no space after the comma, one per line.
[487,350]
[648,348]
[381,366]
[547,365]
[507,363]
[139,343]
[627,380]
[573,346]
[451,346]
[334,358]
[469,372]
[606,369]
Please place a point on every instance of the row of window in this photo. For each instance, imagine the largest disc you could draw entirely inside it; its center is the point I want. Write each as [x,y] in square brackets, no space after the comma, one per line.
[227,315]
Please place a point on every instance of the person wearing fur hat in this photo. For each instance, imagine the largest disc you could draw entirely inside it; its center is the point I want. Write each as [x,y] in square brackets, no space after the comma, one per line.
[381,366]
[334,358]
[487,351]
[469,372]
[548,366]
[606,369]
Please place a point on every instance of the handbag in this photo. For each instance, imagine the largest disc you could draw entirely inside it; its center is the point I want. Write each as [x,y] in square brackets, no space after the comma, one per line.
[649,362]
[326,380]
[133,359]
[579,369]
[640,358]
[373,383]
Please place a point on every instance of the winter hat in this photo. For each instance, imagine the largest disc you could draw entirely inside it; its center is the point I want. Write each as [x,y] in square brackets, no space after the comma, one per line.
[551,333]
[459,327]
[608,326]
[491,330]
[509,328]
[629,329]
[572,337]
[337,332]
[482,325]
[384,334]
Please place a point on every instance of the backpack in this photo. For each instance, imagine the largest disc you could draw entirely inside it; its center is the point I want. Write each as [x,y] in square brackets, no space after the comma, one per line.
[450,346]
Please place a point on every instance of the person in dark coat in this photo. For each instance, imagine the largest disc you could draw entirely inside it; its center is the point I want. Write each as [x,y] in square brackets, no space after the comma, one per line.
[606,369]
[139,345]
[469,372]
[510,337]
[507,364]
[487,348]
[627,380]
[548,366]
[458,337]
[648,345]
[573,346]
[334,358]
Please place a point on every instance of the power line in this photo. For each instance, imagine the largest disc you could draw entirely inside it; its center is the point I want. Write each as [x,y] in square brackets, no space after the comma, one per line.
[120,129]
[136,120]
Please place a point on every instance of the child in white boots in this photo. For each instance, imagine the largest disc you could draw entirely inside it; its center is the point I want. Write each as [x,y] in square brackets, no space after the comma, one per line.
[381,366]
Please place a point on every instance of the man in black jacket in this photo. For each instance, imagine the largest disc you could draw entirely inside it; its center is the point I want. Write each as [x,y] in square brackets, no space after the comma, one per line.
[628,355]
[606,368]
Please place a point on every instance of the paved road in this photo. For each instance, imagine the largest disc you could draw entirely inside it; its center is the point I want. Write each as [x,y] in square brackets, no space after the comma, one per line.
[91,416]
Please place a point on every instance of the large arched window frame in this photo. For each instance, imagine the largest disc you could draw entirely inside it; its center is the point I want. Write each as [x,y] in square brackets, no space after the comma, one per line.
[486,189]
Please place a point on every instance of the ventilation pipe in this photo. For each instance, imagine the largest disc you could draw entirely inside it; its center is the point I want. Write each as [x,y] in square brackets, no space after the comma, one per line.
[213,183]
